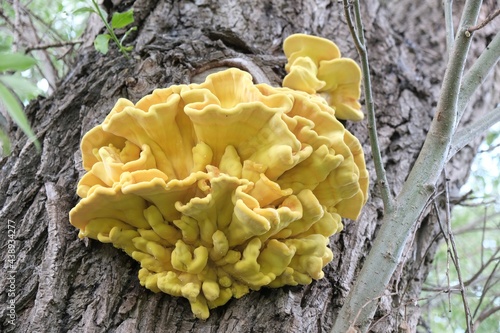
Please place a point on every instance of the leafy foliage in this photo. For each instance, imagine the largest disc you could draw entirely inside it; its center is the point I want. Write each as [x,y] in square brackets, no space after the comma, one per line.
[13,89]
[118,21]
[38,39]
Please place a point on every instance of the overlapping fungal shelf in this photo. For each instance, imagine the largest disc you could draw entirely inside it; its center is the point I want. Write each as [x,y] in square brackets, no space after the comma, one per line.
[224,187]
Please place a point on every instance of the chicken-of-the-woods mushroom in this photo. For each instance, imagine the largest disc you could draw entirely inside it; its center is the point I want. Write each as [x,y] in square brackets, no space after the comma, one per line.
[224,187]
[315,66]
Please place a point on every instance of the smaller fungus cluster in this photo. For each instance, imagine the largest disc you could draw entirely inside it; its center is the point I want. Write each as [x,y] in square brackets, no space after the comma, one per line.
[315,66]
[224,187]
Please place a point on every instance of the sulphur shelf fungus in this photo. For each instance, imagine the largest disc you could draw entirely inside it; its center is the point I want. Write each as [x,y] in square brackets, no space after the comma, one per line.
[224,187]
[315,66]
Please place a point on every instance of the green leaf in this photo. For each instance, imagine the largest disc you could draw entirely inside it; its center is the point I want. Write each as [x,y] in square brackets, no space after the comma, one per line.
[4,139]
[101,43]
[24,88]
[120,20]
[84,10]
[16,62]
[16,113]
[5,43]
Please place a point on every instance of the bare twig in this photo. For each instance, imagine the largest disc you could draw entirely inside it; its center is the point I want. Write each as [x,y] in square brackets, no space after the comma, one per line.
[490,149]
[487,20]
[419,221]
[477,277]
[493,258]
[7,20]
[487,286]
[445,234]
[53,45]
[485,314]
[55,34]
[431,201]
[472,201]
[474,228]
[359,40]
[483,233]
[478,72]
[17,23]
[467,134]
[353,324]
[468,316]
[378,321]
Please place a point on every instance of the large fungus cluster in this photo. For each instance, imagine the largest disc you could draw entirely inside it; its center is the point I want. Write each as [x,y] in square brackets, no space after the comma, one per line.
[224,187]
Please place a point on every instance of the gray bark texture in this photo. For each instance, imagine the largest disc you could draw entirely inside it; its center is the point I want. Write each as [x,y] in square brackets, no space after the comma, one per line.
[64,284]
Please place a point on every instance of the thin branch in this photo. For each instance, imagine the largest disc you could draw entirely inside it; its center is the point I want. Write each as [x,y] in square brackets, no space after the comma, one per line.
[456,288]
[448,19]
[437,293]
[485,314]
[359,40]
[487,286]
[52,45]
[487,20]
[473,201]
[17,23]
[483,234]
[489,149]
[445,234]
[350,24]
[55,34]
[466,135]
[430,202]
[478,72]
[366,304]
[476,275]
[473,228]
[468,316]
[7,20]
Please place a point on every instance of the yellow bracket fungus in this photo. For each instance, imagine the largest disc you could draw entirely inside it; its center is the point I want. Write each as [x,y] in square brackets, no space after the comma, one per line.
[224,187]
[315,66]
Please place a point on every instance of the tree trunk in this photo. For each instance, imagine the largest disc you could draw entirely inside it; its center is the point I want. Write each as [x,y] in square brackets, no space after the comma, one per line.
[63,284]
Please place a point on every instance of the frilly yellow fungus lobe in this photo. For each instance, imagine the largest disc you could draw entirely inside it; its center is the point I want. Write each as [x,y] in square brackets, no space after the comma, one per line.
[315,66]
[224,187]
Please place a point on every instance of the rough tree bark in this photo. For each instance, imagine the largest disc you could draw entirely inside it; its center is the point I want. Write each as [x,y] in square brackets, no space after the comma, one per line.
[63,284]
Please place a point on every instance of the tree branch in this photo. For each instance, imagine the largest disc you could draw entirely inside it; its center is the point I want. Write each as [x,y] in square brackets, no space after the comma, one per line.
[52,45]
[359,40]
[487,20]
[478,72]
[387,249]
[456,261]
[485,314]
[448,19]
[470,132]
[473,226]
[487,285]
